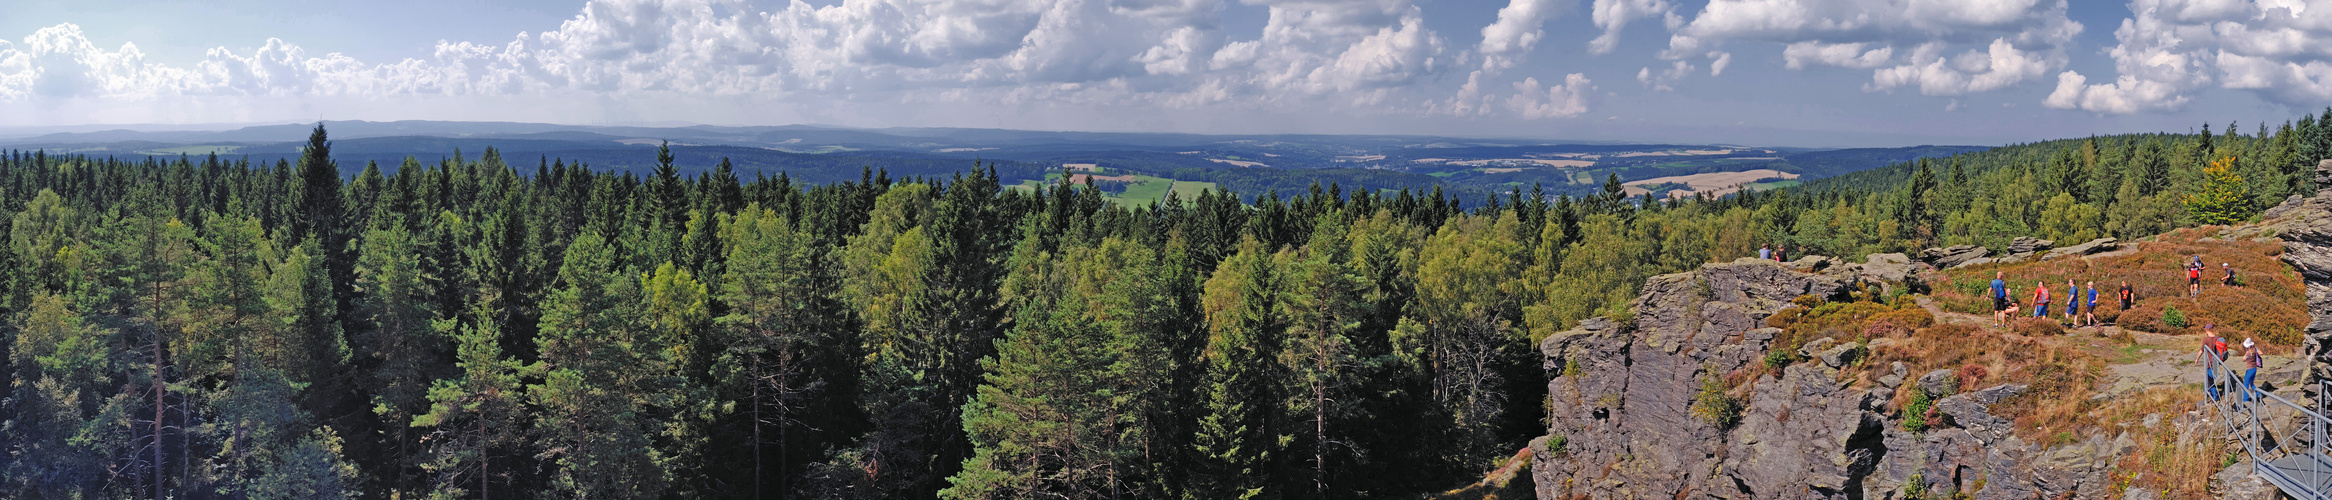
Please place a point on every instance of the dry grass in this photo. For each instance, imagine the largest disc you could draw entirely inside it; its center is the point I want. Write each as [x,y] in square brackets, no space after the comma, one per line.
[2176,457]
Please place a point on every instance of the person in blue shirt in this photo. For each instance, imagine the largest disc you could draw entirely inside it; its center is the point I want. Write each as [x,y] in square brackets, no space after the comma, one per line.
[2089,316]
[2000,298]
[1765,252]
[2072,302]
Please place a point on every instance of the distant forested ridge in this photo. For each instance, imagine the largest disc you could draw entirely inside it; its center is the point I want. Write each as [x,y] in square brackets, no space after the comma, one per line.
[183,327]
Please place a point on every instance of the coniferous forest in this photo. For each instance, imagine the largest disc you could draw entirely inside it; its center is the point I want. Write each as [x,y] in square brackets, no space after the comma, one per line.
[205,327]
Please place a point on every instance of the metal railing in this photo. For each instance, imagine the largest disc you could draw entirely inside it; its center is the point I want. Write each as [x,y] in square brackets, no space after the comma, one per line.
[2265,446]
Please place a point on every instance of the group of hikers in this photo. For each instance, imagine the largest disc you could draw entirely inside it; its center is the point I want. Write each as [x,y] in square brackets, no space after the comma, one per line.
[2194,276]
[2214,354]
[1768,252]
[2080,308]
[2081,303]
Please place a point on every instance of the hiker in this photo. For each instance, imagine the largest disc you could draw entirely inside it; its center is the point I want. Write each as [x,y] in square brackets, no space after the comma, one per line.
[2253,360]
[2089,315]
[2194,277]
[2127,297]
[1781,254]
[2230,279]
[1765,252]
[2214,351]
[2000,298]
[2040,299]
[2072,302]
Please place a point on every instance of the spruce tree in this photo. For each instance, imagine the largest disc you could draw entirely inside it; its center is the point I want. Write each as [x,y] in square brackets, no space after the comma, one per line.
[1237,440]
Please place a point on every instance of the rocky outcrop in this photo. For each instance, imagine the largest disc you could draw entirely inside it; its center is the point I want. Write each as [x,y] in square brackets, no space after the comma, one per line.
[2305,226]
[1627,420]
[1952,256]
[2100,245]
[2024,246]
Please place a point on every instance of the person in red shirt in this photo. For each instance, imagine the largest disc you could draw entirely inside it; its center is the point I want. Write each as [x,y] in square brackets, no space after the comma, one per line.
[2040,299]
[2194,277]
[2213,354]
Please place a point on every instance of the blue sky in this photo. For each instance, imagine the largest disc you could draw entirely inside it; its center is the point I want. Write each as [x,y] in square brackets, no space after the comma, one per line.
[1765,72]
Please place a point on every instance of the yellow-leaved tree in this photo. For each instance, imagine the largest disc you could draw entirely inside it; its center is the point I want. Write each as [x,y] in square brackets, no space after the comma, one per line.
[2223,199]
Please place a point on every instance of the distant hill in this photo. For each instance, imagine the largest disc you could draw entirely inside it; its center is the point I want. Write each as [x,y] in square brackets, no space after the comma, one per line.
[1250,164]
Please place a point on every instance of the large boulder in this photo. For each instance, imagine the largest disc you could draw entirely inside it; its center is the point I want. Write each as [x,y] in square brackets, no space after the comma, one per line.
[2028,245]
[1952,256]
[2099,245]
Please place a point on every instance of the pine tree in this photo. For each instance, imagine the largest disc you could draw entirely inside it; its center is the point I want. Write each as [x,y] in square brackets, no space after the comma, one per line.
[1237,443]
[1320,302]
[600,377]
[403,351]
[63,367]
[474,415]
[772,332]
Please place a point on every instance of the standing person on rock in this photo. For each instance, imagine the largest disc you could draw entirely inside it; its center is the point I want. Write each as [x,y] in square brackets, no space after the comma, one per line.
[2252,360]
[2213,353]
[2040,299]
[1765,252]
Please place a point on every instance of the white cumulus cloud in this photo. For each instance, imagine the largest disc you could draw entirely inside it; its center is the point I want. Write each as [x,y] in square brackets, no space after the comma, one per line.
[2170,49]
[1565,100]
[1941,47]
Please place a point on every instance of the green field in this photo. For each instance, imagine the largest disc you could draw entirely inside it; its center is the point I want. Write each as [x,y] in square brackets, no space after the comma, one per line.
[1761,186]
[1143,191]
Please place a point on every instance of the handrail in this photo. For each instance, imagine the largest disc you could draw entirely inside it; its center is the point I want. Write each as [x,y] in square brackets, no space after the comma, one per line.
[2251,430]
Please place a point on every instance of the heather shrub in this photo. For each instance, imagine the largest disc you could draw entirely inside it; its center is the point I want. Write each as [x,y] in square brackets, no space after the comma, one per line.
[2036,327]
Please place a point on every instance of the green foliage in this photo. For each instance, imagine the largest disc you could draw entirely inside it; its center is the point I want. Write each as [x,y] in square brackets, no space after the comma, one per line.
[2174,317]
[1714,406]
[1779,358]
[2224,197]
[475,330]
[1915,411]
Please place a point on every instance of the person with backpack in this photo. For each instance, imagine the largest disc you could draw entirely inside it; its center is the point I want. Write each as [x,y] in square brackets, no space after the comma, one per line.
[2214,352]
[2194,277]
[2040,299]
[2000,298]
[2089,314]
[2252,360]
[2230,279]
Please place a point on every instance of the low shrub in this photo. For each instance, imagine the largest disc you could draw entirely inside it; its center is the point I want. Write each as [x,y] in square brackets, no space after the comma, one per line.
[1714,405]
[1972,377]
[2036,327]
[1899,322]
[1915,412]
[1779,358]
[2174,318]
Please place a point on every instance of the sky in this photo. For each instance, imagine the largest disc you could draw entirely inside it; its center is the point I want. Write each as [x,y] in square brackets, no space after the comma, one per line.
[1820,73]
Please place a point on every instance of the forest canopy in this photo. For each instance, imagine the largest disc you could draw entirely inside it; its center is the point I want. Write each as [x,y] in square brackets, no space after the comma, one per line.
[214,327]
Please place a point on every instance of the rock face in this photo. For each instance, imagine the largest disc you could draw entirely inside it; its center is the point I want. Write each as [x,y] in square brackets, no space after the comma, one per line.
[2305,225]
[1627,419]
